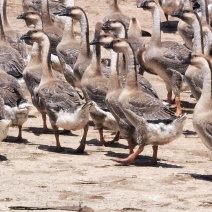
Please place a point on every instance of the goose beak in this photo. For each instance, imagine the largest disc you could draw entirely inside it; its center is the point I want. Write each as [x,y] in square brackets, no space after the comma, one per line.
[143,4]
[177,14]
[26,36]
[94,41]
[64,12]
[22,16]
[187,60]
[105,26]
[109,45]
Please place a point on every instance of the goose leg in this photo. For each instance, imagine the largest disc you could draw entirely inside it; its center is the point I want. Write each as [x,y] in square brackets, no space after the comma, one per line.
[45,128]
[131,146]
[56,134]
[169,97]
[131,157]
[81,147]
[102,140]
[178,104]
[154,156]
[19,138]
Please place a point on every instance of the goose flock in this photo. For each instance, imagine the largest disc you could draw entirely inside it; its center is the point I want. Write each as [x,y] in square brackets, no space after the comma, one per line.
[69,83]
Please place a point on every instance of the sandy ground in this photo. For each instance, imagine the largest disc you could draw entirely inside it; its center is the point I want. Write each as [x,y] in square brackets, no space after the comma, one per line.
[33,176]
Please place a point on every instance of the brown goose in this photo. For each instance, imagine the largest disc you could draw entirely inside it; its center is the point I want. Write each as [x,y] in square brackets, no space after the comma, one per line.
[202,117]
[95,87]
[16,107]
[116,14]
[166,60]
[154,123]
[68,50]
[62,103]
[11,35]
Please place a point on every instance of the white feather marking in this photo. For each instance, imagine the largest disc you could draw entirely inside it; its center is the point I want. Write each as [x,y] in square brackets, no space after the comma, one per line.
[4,127]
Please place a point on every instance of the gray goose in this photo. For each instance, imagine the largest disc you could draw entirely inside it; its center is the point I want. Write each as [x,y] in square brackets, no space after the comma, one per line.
[10,60]
[11,35]
[116,14]
[16,107]
[154,123]
[32,76]
[4,123]
[194,76]
[62,103]
[202,116]
[166,60]
[95,87]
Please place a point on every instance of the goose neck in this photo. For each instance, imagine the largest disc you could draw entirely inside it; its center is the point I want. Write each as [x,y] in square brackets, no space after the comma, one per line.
[85,32]
[46,19]
[46,60]
[38,25]
[121,32]
[68,32]
[2,34]
[114,72]
[35,54]
[5,21]
[204,10]
[95,60]
[156,33]
[114,7]
[198,38]
[207,83]
[131,81]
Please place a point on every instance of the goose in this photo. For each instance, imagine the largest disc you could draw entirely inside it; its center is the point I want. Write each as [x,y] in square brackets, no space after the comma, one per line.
[202,115]
[84,57]
[194,78]
[34,18]
[16,107]
[95,87]
[4,123]
[185,30]
[133,35]
[11,35]
[68,50]
[154,123]
[62,103]
[166,60]
[32,76]
[171,6]
[10,60]
[116,14]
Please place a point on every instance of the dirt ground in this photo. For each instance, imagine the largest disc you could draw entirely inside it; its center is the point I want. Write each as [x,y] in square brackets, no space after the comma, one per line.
[33,176]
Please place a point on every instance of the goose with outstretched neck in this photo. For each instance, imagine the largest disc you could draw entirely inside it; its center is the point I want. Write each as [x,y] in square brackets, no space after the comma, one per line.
[165,60]
[202,117]
[62,103]
[95,87]
[154,123]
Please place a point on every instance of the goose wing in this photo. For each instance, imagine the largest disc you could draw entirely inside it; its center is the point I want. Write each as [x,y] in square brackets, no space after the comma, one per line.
[58,95]
[10,90]
[151,109]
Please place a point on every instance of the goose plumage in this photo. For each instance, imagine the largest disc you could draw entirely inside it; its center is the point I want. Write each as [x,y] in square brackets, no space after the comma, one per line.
[62,103]
[154,123]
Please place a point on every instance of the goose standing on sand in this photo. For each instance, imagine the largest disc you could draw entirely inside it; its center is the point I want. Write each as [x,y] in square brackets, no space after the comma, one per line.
[166,60]
[202,117]
[16,107]
[62,103]
[95,87]
[154,123]
[4,123]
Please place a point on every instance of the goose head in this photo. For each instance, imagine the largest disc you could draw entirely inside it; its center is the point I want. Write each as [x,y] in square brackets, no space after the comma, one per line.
[119,45]
[34,36]
[31,18]
[147,4]
[186,15]
[74,12]
[113,24]
[103,39]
